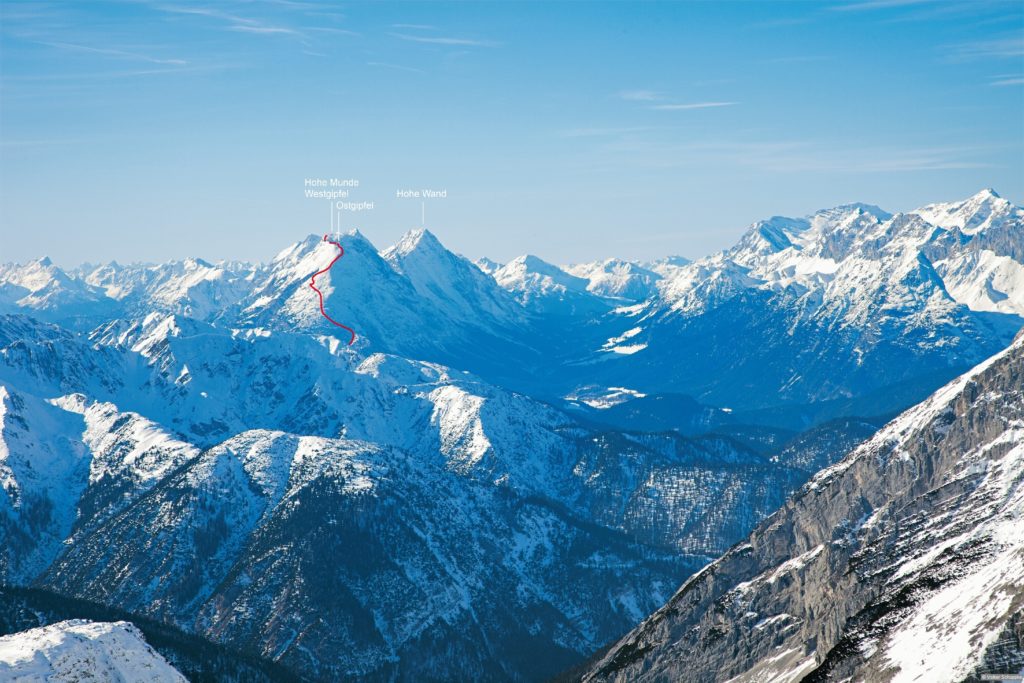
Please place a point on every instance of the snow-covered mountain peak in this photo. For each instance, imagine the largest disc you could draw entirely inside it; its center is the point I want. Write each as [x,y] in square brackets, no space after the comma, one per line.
[194,263]
[529,272]
[43,286]
[35,275]
[828,233]
[487,265]
[546,287]
[395,371]
[449,280]
[315,243]
[415,240]
[419,249]
[617,278]
[971,215]
[352,240]
[771,236]
[668,266]
[80,650]
[856,267]
[854,209]
[297,263]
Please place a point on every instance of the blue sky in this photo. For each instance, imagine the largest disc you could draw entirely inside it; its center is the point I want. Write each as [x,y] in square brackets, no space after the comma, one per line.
[162,129]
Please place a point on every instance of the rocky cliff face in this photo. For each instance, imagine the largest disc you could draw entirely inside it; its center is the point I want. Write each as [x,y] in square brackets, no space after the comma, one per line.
[904,561]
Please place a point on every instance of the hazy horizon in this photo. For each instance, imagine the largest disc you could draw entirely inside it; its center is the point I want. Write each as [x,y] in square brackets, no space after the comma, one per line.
[440,236]
[147,131]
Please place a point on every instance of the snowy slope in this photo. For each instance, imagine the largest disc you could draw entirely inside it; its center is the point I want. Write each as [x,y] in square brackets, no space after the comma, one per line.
[617,279]
[78,650]
[805,309]
[973,215]
[834,305]
[250,422]
[194,454]
[854,248]
[449,281]
[43,472]
[421,301]
[64,460]
[547,288]
[42,287]
[192,287]
[441,558]
[902,562]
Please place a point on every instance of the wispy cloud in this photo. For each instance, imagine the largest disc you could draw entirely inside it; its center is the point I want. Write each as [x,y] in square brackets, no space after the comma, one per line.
[781,22]
[397,67]
[808,156]
[203,12]
[331,30]
[440,40]
[107,75]
[997,48]
[1003,81]
[601,132]
[235,22]
[794,156]
[293,4]
[111,52]
[40,142]
[669,106]
[799,59]
[265,30]
[414,27]
[640,95]
[657,101]
[877,4]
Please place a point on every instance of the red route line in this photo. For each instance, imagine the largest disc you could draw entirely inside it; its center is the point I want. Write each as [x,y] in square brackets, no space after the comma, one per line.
[312,285]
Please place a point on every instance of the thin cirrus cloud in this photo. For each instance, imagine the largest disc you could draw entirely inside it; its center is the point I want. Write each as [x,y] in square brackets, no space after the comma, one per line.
[601,132]
[640,95]
[877,4]
[111,52]
[686,106]
[795,157]
[657,101]
[235,23]
[396,67]
[1008,80]
[440,40]
[331,30]
[265,30]
[997,48]
[799,156]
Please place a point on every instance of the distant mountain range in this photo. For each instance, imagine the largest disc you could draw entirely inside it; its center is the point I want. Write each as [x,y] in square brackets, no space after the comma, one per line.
[512,466]
[847,303]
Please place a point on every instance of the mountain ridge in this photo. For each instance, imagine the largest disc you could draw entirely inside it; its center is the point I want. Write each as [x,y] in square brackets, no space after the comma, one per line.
[899,561]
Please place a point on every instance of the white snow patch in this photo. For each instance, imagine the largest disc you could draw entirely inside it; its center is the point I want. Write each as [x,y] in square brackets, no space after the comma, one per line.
[79,650]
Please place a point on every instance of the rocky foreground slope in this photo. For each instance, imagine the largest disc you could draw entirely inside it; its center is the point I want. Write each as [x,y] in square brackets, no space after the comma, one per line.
[903,562]
[79,650]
